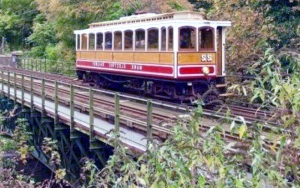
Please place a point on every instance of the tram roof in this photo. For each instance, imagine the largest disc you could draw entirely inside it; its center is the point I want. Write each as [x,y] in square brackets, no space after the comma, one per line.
[145,19]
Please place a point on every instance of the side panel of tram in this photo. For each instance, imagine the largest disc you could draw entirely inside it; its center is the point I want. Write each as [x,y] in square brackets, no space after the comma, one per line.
[202,54]
[152,64]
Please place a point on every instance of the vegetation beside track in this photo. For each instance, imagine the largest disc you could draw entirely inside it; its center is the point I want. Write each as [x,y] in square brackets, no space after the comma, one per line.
[17,166]
[208,159]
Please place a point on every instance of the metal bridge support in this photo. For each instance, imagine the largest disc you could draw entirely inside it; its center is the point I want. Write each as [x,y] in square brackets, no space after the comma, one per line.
[73,145]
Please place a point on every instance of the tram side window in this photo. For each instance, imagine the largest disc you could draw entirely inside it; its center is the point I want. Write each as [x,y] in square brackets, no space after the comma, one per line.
[99,41]
[84,42]
[140,40]
[128,40]
[170,39]
[108,41]
[187,38]
[78,42]
[206,38]
[152,39]
[91,41]
[163,39]
[118,40]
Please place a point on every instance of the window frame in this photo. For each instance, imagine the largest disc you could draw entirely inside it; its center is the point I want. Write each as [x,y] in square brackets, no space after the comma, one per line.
[189,39]
[200,39]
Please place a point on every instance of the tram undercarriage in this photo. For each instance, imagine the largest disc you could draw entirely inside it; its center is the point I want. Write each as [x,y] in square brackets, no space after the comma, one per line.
[186,92]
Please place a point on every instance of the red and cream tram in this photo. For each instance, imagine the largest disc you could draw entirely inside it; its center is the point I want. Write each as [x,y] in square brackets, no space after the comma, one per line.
[177,56]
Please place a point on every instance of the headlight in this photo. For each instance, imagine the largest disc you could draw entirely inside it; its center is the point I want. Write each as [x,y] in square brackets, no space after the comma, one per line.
[205,70]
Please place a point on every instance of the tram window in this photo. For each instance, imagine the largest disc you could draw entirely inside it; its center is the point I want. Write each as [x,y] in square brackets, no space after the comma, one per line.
[99,41]
[152,39]
[163,39]
[84,41]
[118,40]
[140,40]
[78,42]
[170,39]
[108,41]
[187,38]
[206,38]
[91,41]
[128,40]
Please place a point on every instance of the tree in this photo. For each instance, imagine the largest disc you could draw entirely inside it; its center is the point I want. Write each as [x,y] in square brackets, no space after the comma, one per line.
[16,19]
[282,20]
[43,35]
[67,16]
[156,6]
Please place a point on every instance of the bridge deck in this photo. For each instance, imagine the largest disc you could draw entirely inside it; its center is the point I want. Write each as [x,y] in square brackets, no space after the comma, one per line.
[131,138]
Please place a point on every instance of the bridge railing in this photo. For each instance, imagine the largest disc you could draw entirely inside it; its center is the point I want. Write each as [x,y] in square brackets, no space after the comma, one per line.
[48,66]
[113,107]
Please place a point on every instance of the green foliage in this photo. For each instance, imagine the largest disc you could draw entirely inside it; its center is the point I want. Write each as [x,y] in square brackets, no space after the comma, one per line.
[201,159]
[257,25]
[22,136]
[283,17]
[9,176]
[155,6]
[88,173]
[115,12]
[64,17]
[201,4]
[42,37]
[16,18]
[7,144]
[50,148]
[277,83]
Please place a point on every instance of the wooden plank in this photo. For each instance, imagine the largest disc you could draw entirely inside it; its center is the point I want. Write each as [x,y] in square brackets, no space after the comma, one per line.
[88,55]
[195,58]
[146,57]
[78,55]
[130,57]
[166,58]
[104,56]
[123,56]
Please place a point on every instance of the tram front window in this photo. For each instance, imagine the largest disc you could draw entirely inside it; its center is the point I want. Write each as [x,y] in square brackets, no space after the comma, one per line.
[187,38]
[206,39]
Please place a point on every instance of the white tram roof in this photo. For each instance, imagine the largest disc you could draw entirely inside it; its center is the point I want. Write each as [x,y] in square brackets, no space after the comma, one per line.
[150,20]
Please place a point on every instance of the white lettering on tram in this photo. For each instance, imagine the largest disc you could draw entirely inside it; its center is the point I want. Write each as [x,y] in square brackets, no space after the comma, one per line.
[116,65]
[98,64]
[136,67]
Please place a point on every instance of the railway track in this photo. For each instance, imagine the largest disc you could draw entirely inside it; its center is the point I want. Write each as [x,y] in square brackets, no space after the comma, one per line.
[250,114]
[133,110]
[164,112]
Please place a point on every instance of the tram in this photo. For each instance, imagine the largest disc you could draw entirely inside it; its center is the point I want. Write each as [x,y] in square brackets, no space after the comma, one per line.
[177,56]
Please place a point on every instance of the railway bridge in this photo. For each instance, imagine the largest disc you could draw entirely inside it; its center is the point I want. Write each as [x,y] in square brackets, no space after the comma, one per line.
[86,122]
[89,122]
